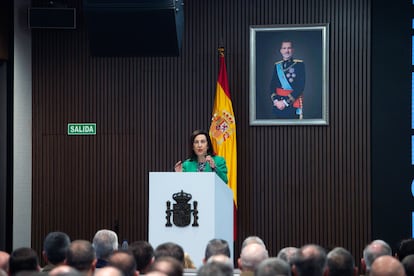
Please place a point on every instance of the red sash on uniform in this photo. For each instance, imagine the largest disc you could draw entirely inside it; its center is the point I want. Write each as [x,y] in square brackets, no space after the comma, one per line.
[286,92]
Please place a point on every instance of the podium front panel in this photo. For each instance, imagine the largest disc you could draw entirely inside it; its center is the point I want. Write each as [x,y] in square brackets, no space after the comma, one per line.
[214,204]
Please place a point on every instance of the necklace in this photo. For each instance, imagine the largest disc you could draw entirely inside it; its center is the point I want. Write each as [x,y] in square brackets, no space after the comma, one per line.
[201,166]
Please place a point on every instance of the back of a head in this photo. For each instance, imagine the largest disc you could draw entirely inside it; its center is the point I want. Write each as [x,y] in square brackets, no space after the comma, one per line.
[108,271]
[64,270]
[252,239]
[23,259]
[55,246]
[168,265]
[221,258]
[215,268]
[374,250]
[81,255]
[310,260]
[287,254]
[143,253]
[215,247]
[273,267]
[155,273]
[408,263]
[124,261]
[387,266]
[4,260]
[105,243]
[170,249]
[406,248]
[251,256]
[340,262]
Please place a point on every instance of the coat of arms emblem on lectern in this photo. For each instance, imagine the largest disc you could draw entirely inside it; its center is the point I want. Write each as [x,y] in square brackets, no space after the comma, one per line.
[181,210]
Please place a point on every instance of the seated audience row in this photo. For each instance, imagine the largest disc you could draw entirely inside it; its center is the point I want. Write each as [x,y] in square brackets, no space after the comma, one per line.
[104,257]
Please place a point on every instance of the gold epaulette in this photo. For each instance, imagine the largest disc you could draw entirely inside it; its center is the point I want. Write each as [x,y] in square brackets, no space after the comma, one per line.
[297,60]
[280,61]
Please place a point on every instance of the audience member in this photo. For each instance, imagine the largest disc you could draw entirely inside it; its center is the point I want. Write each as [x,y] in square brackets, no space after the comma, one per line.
[55,246]
[221,258]
[108,271]
[125,262]
[215,247]
[252,239]
[105,243]
[406,248]
[23,259]
[170,249]
[310,260]
[372,251]
[213,268]
[287,254]
[4,260]
[155,273]
[250,258]
[143,253]
[272,267]
[169,259]
[81,255]
[408,263]
[168,265]
[386,266]
[341,263]
[64,270]
[188,262]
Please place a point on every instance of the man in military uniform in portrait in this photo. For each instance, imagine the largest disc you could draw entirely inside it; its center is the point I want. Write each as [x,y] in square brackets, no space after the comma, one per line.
[287,85]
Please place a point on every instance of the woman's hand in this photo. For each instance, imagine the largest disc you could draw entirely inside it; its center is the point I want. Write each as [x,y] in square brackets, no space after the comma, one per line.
[178,166]
[210,160]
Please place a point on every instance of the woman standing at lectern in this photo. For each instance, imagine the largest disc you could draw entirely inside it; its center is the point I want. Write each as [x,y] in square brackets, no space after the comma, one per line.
[202,158]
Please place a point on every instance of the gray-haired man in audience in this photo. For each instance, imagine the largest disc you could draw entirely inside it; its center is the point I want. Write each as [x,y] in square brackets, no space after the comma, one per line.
[341,263]
[250,258]
[287,254]
[273,266]
[375,249]
[105,243]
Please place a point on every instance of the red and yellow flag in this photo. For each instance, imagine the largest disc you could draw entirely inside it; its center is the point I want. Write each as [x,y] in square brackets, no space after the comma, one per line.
[223,130]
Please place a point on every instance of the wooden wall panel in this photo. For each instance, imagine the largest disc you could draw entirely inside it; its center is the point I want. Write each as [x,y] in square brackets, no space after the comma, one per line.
[5,23]
[297,184]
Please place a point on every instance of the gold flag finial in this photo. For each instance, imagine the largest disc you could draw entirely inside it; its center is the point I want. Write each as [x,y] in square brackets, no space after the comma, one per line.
[221,51]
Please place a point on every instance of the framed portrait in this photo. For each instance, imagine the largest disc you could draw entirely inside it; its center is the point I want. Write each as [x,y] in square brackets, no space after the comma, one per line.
[289,75]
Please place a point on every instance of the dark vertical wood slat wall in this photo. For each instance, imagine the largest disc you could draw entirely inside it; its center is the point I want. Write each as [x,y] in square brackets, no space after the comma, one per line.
[297,184]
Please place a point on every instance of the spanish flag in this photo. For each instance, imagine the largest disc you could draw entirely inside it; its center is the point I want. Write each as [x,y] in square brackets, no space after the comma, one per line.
[223,130]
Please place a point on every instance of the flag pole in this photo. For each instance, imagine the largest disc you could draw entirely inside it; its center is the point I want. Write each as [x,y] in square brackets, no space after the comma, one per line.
[220,50]
[223,130]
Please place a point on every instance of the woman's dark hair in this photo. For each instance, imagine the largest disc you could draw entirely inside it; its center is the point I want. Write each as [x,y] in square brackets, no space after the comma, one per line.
[193,155]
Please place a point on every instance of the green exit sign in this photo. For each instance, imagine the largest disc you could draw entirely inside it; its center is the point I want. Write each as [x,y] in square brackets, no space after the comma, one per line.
[82,129]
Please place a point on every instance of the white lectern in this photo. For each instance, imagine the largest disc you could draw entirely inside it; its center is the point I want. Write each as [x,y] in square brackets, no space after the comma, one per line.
[214,204]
